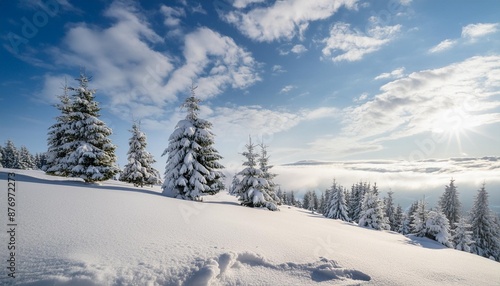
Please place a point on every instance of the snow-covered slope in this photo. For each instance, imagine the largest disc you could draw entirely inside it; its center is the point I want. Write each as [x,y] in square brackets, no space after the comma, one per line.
[72,233]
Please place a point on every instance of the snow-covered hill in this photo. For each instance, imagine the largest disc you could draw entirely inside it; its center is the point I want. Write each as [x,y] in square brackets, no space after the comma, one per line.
[72,233]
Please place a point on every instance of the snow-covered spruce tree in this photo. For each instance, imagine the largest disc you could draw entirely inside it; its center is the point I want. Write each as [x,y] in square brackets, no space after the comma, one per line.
[40,160]
[358,190]
[266,173]
[234,185]
[306,200]
[462,236]
[389,211]
[1,157]
[139,170]
[10,155]
[192,168]
[291,199]
[337,207]
[372,213]
[314,203]
[58,136]
[450,204]
[282,196]
[419,217]
[326,198]
[90,153]
[485,233]
[26,160]
[398,218]
[405,227]
[438,228]
[253,190]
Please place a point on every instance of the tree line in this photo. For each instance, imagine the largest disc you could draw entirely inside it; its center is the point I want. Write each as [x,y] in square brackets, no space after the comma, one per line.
[20,158]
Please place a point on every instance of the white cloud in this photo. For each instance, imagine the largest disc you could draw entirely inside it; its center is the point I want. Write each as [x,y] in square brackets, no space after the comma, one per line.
[53,86]
[172,15]
[283,19]
[230,65]
[277,69]
[299,49]
[478,30]
[287,88]
[345,44]
[198,9]
[397,73]
[470,33]
[320,113]
[461,93]
[444,45]
[136,77]
[362,97]
[240,4]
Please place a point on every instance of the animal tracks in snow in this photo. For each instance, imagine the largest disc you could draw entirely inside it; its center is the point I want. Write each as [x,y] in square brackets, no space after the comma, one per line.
[238,269]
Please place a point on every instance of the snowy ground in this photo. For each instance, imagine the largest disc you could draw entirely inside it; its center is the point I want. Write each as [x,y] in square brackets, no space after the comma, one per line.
[72,233]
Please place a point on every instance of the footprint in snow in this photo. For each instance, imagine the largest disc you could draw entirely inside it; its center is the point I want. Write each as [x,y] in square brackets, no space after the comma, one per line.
[216,271]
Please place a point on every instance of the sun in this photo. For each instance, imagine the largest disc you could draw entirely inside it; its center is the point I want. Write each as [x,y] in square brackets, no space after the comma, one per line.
[452,127]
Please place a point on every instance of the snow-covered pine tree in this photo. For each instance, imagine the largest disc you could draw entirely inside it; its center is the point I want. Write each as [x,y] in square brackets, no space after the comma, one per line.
[450,204]
[306,200]
[462,236]
[337,207]
[419,217]
[233,189]
[208,156]
[358,191]
[282,196]
[253,188]
[314,203]
[405,227]
[372,213]
[26,160]
[266,173]
[398,218]
[292,200]
[438,228]
[326,197]
[10,155]
[1,157]
[40,160]
[139,170]
[58,136]
[192,168]
[90,153]
[485,233]
[390,211]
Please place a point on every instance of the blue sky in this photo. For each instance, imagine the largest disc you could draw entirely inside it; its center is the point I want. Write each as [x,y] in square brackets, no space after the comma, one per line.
[316,80]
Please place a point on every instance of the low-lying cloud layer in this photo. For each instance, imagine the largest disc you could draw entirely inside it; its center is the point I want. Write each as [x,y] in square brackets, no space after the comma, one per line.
[408,180]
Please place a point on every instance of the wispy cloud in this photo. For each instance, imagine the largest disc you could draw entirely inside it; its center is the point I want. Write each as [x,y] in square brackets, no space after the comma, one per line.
[298,49]
[397,73]
[172,15]
[346,44]
[283,19]
[474,31]
[277,69]
[287,88]
[470,33]
[443,46]
[240,4]
[362,97]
